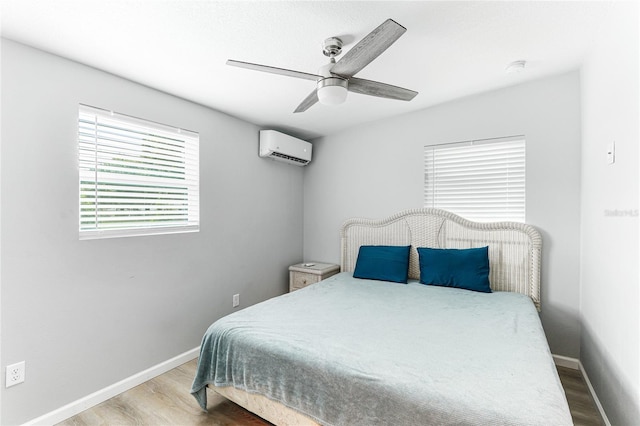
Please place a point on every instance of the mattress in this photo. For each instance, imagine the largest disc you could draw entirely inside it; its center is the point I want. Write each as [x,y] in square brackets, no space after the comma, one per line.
[347,351]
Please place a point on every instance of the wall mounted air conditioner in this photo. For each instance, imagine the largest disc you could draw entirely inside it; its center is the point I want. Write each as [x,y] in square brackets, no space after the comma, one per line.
[281,147]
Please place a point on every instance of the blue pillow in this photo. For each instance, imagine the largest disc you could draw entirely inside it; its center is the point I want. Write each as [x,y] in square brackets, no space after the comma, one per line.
[385,263]
[460,268]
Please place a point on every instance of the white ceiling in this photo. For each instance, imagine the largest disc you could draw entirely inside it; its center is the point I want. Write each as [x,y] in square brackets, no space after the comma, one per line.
[451,49]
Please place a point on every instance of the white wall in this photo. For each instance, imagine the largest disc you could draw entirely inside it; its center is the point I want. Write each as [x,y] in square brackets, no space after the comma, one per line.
[610,305]
[86,314]
[377,169]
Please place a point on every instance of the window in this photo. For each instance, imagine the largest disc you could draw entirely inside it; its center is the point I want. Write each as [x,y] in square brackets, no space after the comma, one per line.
[136,177]
[482,181]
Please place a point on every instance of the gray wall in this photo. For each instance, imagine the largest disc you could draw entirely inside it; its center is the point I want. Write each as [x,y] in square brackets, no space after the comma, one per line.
[610,305]
[377,169]
[86,314]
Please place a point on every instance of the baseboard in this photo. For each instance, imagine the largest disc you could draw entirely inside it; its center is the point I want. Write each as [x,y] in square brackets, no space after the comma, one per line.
[565,361]
[575,364]
[605,419]
[102,395]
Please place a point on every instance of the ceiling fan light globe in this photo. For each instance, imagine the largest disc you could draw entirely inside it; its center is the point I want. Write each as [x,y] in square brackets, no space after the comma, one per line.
[332,95]
[332,91]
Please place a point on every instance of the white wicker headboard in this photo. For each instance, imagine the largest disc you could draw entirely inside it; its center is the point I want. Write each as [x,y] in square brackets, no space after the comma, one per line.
[514,248]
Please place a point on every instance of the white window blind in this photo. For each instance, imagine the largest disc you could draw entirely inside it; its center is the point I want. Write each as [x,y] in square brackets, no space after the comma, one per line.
[136,177]
[482,181]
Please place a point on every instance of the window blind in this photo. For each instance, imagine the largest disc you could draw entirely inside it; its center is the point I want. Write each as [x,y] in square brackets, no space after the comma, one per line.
[136,177]
[482,181]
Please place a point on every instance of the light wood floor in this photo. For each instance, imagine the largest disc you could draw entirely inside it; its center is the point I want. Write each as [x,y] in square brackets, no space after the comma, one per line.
[165,400]
[583,409]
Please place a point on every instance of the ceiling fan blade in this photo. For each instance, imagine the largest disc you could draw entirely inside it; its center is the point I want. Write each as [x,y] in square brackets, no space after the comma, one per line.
[308,102]
[369,48]
[381,90]
[273,70]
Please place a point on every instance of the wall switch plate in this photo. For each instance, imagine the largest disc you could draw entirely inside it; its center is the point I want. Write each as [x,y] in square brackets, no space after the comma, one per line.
[236,300]
[611,153]
[15,374]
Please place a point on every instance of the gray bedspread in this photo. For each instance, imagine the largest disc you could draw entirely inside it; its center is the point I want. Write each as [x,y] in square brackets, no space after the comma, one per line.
[347,351]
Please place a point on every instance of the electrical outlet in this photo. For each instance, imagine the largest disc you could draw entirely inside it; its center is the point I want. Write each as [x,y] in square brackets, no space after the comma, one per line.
[15,374]
[236,300]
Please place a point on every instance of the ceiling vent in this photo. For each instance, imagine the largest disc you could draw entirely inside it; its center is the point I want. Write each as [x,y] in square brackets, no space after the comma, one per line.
[281,147]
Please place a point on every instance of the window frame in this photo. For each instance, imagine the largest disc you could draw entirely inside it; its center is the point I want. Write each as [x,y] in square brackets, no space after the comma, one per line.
[456,167]
[142,159]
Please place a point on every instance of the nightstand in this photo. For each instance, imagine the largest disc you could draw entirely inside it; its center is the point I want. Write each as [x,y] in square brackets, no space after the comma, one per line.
[303,274]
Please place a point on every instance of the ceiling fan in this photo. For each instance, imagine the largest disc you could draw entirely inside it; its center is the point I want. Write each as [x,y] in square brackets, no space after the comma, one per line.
[334,79]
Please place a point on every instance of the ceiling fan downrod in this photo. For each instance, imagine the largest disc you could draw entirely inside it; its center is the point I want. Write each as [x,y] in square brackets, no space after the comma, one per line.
[332,89]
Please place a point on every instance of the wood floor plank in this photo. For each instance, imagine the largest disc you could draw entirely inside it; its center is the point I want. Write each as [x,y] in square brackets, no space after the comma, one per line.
[583,409]
[165,400]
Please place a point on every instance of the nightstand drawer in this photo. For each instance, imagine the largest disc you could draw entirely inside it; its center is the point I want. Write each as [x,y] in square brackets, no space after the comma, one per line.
[300,279]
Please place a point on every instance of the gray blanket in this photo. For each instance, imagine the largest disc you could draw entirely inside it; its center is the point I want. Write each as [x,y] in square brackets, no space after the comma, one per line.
[358,352]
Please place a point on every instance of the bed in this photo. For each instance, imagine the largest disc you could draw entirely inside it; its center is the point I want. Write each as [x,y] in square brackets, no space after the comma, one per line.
[366,351]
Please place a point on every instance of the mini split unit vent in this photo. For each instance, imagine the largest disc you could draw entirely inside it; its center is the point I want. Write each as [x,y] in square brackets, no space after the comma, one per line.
[281,147]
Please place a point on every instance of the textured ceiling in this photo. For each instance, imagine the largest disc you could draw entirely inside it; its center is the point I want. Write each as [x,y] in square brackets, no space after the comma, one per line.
[451,49]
